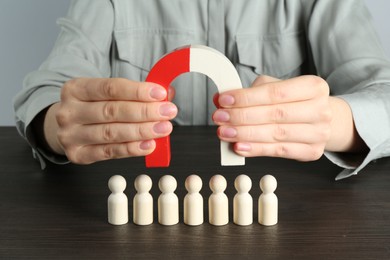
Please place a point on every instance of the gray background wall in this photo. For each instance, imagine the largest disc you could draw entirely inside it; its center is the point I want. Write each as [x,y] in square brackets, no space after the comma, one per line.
[28,31]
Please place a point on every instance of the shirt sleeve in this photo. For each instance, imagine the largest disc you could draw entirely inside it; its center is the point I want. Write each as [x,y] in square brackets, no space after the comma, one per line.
[347,52]
[82,50]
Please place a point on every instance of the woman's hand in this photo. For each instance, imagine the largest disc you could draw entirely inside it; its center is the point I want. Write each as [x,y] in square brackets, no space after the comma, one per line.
[100,119]
[278,118]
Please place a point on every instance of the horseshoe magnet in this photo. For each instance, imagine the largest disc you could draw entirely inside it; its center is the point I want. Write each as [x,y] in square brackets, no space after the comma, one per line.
[205,60]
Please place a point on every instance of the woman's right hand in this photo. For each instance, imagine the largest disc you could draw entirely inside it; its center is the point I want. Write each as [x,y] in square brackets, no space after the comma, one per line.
[99,119]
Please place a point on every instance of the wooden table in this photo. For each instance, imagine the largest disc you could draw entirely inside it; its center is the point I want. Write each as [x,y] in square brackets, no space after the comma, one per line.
[61,212]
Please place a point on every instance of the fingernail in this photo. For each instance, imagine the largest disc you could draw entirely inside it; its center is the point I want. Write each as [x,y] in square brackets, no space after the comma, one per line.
[226,100]
[244,147]
[168,109]
[221,116]
[146,145]
[158,93]
[229,132]
[162,127]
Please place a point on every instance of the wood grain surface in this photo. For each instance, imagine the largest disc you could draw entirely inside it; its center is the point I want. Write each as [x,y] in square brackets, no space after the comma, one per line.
[61,212]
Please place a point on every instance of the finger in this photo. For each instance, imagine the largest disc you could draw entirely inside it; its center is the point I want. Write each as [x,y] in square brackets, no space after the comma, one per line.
[120,132]
[275,114]
[259,81]
[93,153]
[97,89]
[296,151]
[275,133]
[286,91]
[123,111]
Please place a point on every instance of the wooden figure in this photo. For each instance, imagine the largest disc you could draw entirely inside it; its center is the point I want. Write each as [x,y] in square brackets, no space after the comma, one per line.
[243,201]
[143,201]
[218,201]
[193,201]
[268,202]
[168,203]
[117,204]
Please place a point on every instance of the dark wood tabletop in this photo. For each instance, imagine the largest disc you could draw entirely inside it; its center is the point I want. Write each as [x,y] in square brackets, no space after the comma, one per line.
[61,212]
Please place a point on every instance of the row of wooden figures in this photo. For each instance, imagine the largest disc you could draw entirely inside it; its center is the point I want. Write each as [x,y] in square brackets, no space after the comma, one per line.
[168,203]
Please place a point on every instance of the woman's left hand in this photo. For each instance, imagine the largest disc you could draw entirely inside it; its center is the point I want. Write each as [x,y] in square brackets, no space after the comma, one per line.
[277,118]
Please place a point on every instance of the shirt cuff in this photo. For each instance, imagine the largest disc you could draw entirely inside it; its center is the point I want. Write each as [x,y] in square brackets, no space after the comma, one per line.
[41,154]
[371,120]
[43,98]
[352,163]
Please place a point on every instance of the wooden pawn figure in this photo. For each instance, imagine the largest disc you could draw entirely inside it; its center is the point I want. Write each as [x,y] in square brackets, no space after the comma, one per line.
[218,201]
[117,204]
[193,201]
[168,203]
[243,201]
[143,201]
[268,202]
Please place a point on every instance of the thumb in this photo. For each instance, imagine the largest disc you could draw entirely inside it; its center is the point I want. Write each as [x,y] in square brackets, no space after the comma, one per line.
[171,93]
[263,79]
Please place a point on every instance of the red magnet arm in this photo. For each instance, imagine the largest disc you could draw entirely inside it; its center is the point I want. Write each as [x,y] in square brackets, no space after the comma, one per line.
[163,73]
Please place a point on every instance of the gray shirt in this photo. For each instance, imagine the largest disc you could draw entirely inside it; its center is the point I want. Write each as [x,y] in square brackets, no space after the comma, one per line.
[330,38]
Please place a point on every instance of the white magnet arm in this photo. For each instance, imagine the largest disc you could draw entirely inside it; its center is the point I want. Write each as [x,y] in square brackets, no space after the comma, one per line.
[221,71]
